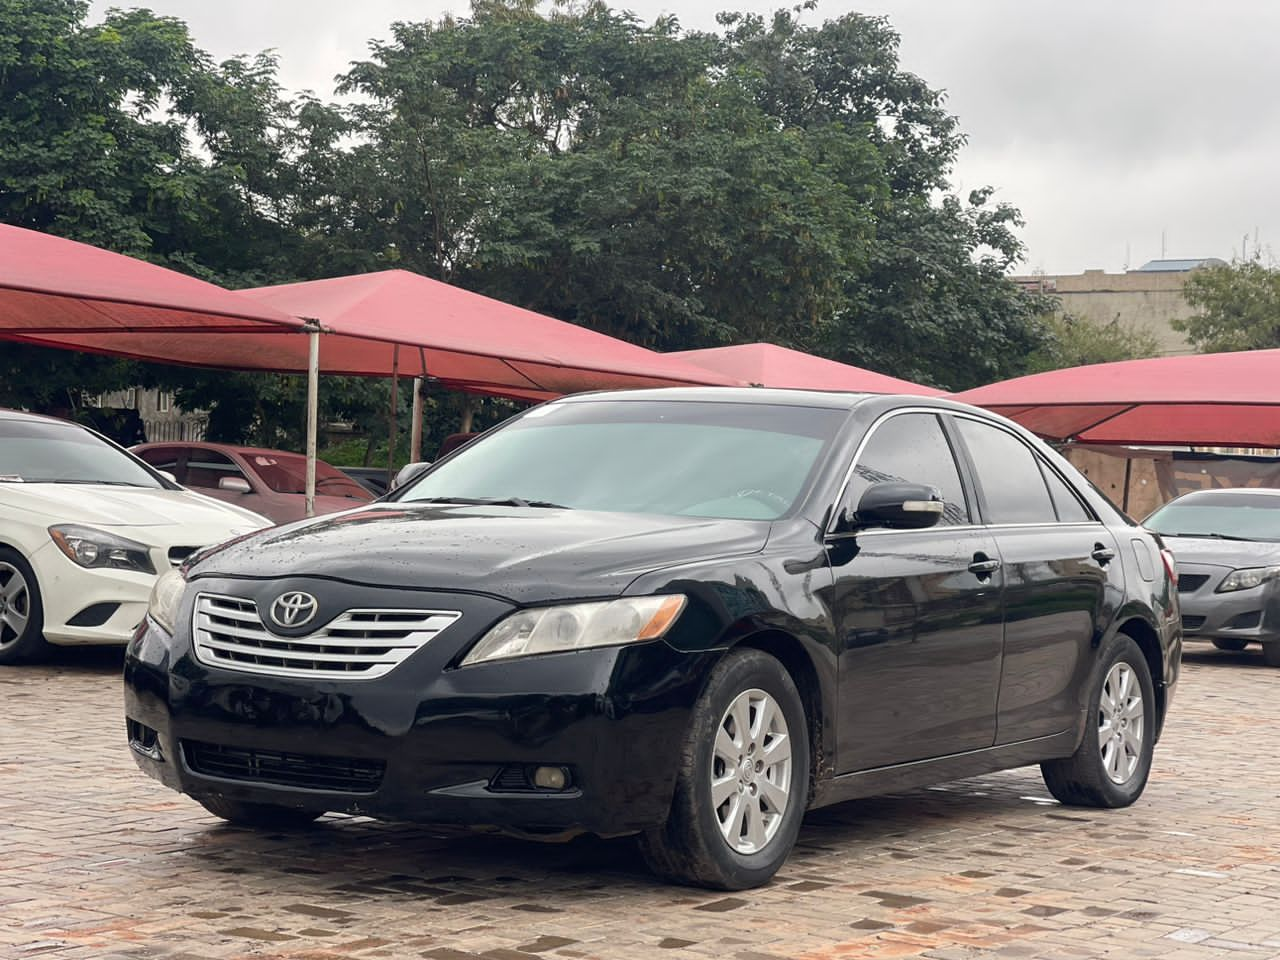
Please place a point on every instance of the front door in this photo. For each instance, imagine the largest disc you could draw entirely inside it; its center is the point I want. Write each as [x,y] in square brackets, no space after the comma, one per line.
[918,613]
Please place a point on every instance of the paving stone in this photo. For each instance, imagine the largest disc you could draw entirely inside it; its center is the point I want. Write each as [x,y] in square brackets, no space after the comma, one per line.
[98,862]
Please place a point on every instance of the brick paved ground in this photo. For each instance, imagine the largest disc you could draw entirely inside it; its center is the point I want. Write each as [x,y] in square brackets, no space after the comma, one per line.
[98,861]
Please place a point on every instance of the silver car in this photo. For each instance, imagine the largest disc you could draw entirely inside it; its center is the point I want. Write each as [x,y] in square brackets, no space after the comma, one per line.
[1227,547]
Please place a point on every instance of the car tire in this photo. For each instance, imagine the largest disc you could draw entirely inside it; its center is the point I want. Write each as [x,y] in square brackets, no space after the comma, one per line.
[1271,654]
[1112,763]
[260,816]
[749,708]
[1231,644]
[21,612]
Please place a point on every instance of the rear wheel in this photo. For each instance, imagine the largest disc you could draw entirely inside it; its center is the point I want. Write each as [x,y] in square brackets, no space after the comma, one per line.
[1230,643]
[21,611]
[1111,765]
[263,816]
[743,782]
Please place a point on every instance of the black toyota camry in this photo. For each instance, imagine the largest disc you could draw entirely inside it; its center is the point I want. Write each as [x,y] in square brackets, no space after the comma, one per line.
[690,615]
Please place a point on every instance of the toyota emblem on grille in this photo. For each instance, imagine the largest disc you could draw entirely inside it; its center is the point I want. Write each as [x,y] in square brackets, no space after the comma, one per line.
[294,609]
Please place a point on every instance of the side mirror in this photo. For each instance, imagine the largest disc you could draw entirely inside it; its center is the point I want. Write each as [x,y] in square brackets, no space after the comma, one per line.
[410,471]
[168,476]
[899,506]
[234,484]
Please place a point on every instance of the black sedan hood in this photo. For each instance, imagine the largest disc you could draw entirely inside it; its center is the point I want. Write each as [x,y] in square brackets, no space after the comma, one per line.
[522,554]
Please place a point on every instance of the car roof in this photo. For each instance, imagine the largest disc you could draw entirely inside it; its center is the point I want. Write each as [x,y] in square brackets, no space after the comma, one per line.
[7,414]
[222,447]
[835,399]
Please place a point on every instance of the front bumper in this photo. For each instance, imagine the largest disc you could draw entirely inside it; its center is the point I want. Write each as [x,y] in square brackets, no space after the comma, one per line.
[89,606]
[1251,615]
[427,742]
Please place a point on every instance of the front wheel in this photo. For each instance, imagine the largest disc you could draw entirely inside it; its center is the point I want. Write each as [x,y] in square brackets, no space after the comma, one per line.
[261,816]
[1112,763]
[21,611]
[743,781]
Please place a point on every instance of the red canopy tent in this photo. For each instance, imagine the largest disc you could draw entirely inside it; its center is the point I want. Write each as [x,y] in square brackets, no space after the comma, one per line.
[768,365]
[1212,399]
[377,323]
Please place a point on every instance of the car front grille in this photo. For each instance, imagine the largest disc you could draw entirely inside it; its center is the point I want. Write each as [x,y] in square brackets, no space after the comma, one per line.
[304,770]
[355,645]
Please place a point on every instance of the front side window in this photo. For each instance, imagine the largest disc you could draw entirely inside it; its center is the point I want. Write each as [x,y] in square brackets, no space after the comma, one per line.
[910,447]
[1012,485]
[207,468]
[52,452]
[747,461]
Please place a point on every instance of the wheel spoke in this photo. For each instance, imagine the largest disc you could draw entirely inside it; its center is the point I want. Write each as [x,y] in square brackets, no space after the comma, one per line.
[775,795]
[755,823]
[15,621]
[13,586]
[778,750]
[1133,709]
[741,722]
[1104,734]
[725,748]
[724,788]
[1126,681]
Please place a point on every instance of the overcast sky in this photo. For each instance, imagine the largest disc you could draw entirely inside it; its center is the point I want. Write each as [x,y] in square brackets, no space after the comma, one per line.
[1114,126]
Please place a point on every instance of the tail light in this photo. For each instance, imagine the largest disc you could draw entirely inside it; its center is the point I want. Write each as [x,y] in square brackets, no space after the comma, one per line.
[1170,566]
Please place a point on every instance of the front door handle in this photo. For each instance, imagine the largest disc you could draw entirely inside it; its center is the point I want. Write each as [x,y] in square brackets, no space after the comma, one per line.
[983,565]
[1103,554]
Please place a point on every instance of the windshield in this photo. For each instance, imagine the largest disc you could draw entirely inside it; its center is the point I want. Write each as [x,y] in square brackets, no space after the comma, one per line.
[742,461]
[287,473]
[1239,516]
[37,451]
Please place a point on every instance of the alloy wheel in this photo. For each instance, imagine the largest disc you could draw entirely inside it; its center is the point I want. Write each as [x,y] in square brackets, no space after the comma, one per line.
[15,604]
[1120,722]
[751,771]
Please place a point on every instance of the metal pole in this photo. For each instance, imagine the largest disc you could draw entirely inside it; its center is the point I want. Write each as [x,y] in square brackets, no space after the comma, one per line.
[415,427]
[391,414]
[313,418]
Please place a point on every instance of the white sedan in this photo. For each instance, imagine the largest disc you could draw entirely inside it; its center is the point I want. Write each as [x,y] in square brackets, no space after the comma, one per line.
[85,528]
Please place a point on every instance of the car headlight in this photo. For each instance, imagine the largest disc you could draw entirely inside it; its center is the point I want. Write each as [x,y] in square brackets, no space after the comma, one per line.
[166,597]
[1247,578]
[97,549]
[575,626]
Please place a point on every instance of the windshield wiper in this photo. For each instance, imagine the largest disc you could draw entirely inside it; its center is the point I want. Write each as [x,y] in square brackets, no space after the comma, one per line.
[494,502]
[1210,536]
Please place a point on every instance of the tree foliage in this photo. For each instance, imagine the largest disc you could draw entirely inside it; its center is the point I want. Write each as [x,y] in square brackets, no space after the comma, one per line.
[774,180]
[1076,341]
[1237,307]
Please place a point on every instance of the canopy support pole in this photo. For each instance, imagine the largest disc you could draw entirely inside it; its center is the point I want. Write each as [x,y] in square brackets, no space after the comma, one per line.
[313,417]
[392,419]
[415,427]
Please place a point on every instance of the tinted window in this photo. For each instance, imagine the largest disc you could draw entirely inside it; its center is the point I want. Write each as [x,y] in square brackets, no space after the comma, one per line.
[164,458]
[47,451]
[910,447]
[1012,484]
[1070,509]
[205,468]
[742,460]
[287,473]
[1247,516]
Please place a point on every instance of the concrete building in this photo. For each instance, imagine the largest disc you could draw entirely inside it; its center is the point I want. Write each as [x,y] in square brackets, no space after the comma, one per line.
[1148,298]
[161,418]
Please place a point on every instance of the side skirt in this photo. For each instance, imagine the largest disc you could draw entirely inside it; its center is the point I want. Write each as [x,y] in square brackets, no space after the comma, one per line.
[919,773]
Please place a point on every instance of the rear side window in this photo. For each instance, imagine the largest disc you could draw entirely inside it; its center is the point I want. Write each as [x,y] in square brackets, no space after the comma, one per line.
[1011,481]
[910,447]
[1069,507]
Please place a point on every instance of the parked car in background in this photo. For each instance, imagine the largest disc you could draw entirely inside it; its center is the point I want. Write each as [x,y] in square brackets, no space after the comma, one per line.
[269,482]
[373,479]
[1227,547]
[687,614]
[84,529]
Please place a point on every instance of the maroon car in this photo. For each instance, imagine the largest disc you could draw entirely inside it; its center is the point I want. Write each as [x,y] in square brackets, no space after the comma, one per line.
[269,482]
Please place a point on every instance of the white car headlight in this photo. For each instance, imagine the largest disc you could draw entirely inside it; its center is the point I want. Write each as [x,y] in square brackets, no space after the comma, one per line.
[575,626]
[1247,578]
[97,549]
[166,597]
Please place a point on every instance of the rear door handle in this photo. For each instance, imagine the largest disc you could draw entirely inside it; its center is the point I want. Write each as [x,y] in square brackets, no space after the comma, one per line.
[983,565]
[1102,554]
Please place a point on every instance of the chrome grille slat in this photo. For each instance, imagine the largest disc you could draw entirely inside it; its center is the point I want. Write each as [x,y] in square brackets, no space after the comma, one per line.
[360,644]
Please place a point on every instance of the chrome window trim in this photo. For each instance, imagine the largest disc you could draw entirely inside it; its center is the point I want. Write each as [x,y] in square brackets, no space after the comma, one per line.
[965,414]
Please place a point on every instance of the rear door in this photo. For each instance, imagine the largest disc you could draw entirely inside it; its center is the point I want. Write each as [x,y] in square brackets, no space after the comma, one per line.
[1062,571]
[918,611]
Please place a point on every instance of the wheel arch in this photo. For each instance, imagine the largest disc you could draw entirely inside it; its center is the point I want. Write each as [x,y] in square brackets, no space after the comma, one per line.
[1144,635]
[796,660]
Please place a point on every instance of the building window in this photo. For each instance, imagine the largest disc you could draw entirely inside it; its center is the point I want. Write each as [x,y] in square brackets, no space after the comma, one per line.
[131,398]
[164,401]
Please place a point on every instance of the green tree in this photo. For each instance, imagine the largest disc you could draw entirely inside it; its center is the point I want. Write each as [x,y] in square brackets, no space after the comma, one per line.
[1078,341]
[1237,307]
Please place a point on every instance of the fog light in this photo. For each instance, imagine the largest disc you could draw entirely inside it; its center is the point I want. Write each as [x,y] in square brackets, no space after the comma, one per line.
[551,778]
